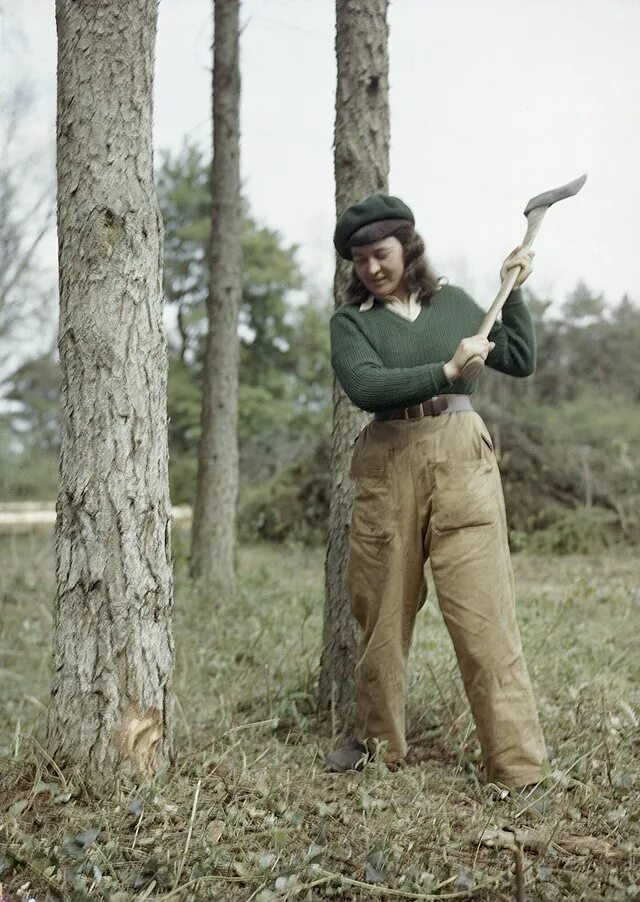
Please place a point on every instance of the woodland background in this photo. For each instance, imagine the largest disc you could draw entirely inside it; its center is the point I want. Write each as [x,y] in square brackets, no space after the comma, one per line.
[568,438]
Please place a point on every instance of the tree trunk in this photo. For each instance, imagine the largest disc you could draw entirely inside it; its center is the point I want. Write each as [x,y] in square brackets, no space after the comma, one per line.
[113,653]
[214,519]
[361,160]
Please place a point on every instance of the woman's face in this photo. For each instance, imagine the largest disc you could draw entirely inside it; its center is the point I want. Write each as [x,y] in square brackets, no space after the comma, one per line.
[380,267]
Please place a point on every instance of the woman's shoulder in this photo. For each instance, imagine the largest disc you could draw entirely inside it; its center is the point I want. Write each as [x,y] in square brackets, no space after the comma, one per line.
[346,312]
[452,294]
[447,291]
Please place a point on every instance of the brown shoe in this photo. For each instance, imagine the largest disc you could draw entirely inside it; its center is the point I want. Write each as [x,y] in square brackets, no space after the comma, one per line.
[352,756]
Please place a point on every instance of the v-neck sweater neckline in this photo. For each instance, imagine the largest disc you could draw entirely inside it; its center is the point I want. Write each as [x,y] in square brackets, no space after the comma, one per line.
[400,316]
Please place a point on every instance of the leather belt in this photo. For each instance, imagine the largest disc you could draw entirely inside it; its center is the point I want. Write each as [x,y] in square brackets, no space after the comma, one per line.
[431,408]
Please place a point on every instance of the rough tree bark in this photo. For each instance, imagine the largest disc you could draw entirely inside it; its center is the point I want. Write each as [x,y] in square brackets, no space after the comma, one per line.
[361,161]
[113,653]
[214,520]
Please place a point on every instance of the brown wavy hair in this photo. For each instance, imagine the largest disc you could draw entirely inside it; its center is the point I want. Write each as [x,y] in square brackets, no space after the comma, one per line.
[418,274]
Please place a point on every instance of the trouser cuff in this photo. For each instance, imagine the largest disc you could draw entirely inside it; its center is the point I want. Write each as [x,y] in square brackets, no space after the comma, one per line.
[517,779]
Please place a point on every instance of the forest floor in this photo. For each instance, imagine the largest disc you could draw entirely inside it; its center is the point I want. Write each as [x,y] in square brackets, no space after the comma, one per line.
[248,811]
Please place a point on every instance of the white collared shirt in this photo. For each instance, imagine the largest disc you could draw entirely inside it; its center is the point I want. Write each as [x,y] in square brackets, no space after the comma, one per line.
[409,309]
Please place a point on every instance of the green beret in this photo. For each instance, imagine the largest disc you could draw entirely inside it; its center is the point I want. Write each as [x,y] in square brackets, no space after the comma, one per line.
[373,208]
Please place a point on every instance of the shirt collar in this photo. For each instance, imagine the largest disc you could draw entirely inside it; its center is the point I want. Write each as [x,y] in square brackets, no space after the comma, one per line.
[368,304]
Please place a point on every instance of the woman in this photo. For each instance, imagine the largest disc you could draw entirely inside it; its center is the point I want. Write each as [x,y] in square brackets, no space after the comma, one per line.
[427,486]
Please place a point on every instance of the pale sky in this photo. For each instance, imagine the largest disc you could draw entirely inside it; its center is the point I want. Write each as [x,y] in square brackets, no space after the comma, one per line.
[492,102]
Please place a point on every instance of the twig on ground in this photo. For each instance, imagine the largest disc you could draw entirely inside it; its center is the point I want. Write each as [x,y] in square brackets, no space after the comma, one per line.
[147,892]
[388,891]
[189,832]
[604,737]
[208,878]
[135,836]
[486,824]
[16,744]
[247,726]
[510,837]
[520,884]
[53,764]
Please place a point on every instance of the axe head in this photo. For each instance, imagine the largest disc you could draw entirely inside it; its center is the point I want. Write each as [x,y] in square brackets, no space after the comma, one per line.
[550,197]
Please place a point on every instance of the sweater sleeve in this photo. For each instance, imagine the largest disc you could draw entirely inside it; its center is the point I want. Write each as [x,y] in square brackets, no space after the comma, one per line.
[368,383]
[515,338]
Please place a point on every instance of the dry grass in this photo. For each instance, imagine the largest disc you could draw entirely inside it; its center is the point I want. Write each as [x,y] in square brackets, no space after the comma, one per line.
[248,812]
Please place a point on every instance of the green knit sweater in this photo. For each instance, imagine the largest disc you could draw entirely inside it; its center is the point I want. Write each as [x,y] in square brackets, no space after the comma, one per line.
[383,360]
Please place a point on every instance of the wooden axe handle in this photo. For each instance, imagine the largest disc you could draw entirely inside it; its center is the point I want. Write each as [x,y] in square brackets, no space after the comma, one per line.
[474,365]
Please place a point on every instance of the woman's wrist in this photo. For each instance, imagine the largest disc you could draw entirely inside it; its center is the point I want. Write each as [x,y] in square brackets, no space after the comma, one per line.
[450,370]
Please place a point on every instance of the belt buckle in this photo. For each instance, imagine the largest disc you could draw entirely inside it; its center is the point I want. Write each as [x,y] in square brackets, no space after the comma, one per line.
[418,416]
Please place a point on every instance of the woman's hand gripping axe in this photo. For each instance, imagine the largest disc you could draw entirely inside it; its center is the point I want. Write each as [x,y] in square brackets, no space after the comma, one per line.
[534,211]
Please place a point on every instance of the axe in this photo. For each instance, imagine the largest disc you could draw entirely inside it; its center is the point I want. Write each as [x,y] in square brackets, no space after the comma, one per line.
[534,211]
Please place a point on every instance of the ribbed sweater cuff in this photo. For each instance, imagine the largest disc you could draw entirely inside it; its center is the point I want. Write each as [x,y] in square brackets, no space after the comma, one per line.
[516,297]
[442,384]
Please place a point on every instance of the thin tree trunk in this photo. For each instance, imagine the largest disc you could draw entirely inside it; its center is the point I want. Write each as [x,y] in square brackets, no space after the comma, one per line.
[214,519]
[361,159]
[113,653]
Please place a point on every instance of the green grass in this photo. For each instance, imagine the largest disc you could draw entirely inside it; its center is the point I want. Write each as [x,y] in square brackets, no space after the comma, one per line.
[248,811]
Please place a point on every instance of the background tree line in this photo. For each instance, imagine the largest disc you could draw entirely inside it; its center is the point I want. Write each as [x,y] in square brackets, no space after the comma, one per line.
[567,438]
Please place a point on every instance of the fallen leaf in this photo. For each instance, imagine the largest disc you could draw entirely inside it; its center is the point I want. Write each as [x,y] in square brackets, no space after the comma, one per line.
[255,813]
[314,854]
[266,861]
[279,836]
[135,807]
[18,807]
[363,800]
[6,863]
[285,882]
[623,780]
[215,830]
[374,867]
[616,815]
[324,810]
[88,837]
[241,869]
[265,895]
[293,816]
[51,788]
[75,846]
[465,880]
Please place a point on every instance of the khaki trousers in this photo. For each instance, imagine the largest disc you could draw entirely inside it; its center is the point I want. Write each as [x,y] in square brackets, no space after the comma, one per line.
[430,489]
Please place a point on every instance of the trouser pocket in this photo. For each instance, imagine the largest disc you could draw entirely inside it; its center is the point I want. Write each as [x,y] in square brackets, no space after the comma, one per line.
[367,574]
[373,506]
[464,495]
